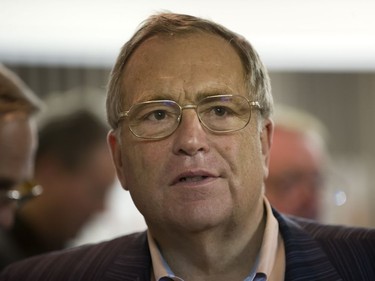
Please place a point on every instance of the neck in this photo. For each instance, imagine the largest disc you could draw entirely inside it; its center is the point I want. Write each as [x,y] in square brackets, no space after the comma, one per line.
[227,253]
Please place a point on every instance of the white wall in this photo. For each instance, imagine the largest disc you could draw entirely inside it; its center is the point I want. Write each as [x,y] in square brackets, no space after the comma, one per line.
[289,34]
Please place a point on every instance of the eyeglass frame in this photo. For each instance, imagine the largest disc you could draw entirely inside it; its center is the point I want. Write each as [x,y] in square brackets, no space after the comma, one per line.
[124,114]
[20,197]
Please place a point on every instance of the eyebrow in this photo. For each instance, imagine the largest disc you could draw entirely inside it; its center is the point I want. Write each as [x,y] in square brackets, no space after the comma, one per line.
[199,95]
[213,92]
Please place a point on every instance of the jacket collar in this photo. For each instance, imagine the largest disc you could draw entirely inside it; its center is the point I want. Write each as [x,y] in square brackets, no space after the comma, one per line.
[133,263]
[305,259]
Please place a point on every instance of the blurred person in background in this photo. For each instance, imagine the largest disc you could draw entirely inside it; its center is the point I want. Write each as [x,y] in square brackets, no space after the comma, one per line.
[74,166]
[298,160]
[18,141]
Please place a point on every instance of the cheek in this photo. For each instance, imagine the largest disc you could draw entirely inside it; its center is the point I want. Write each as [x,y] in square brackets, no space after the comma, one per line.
[250,162]
[145,168]
[242,155]
[248,152]
[143,164]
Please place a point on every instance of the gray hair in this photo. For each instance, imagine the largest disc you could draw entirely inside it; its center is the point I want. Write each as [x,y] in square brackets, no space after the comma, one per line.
[302,122]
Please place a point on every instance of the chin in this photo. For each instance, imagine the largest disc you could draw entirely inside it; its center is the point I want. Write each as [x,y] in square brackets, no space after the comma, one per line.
[203,220]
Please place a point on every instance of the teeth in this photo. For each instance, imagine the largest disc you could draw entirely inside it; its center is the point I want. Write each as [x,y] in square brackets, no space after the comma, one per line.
[193,179]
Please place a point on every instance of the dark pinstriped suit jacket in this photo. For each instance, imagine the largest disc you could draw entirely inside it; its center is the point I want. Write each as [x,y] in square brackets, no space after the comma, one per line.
[313,252]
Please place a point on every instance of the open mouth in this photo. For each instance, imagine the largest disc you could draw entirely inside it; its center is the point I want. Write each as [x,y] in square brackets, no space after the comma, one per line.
[192,179]
[197,176]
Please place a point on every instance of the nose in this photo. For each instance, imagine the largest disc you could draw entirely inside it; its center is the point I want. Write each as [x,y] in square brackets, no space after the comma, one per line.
[190,136]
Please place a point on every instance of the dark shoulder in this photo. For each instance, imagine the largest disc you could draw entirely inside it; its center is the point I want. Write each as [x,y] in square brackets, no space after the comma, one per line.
[335,232]
[350,249]
[86,262]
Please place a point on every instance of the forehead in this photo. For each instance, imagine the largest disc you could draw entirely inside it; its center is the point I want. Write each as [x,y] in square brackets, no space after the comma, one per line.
[182,64]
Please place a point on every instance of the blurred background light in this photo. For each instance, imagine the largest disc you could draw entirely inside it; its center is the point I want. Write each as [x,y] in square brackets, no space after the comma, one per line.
[340,198]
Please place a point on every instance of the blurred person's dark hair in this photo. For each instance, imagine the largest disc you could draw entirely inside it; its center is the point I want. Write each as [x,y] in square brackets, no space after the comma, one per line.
[71,138]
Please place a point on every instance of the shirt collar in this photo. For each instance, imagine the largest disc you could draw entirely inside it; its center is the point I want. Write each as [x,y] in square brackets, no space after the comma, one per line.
[270,261]
[272,252]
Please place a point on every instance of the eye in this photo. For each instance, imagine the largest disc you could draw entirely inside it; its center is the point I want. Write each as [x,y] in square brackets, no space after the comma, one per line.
[221,110]
[153,112]
[156,115]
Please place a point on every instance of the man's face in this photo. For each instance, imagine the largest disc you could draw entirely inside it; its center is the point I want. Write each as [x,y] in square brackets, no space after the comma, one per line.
[295,179]
[194,179]
[17,146]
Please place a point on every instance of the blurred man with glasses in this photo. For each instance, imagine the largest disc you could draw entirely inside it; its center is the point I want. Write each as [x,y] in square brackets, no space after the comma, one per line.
[190,105]
[73,164]
[18,141]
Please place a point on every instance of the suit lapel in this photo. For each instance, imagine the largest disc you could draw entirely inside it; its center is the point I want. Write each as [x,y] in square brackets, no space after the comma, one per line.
[305,259]
[132,264]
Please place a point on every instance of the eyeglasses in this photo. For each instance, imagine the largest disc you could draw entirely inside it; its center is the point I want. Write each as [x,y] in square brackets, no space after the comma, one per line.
[21,193]
[158,119]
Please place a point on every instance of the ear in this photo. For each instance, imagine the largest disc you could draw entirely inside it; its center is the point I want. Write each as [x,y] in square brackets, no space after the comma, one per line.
[266,142]
[115,148]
